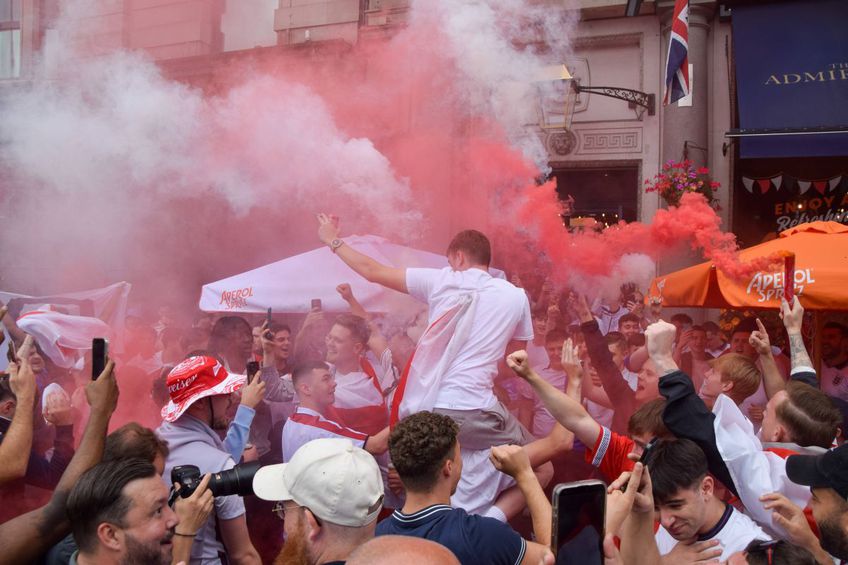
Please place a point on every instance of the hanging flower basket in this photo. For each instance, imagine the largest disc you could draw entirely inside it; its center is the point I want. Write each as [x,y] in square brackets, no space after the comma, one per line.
[675,179]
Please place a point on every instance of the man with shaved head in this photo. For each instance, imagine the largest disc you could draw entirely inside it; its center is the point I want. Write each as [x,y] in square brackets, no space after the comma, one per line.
[388,550]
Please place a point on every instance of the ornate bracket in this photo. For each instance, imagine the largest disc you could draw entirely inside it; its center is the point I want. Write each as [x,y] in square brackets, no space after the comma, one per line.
[633,97]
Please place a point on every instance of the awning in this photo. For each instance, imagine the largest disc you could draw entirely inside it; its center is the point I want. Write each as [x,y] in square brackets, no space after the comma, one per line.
[792,78]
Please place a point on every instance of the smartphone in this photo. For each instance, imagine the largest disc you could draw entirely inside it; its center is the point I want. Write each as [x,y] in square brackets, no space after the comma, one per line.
[643,459]
[578,522]
[646,453]
[99,355]
[316,304]
[252,369]
[268,319]
[10,352]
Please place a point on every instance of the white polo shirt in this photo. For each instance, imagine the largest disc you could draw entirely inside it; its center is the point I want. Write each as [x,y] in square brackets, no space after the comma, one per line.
[502,314]
[734,532]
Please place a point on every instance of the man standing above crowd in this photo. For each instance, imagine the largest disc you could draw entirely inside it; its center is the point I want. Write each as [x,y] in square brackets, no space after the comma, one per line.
[473,317]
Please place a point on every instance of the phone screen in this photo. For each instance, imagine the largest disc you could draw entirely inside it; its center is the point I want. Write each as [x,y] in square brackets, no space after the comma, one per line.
[99,353]
[579,528]
[252,369]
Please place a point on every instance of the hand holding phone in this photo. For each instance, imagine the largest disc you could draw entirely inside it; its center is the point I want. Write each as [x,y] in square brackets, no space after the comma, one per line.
[268,320]
[579,514]
[316,304]
[99,356]
[252,370]
[10,353]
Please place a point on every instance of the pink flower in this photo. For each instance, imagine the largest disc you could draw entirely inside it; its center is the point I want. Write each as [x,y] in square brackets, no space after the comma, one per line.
[703,171]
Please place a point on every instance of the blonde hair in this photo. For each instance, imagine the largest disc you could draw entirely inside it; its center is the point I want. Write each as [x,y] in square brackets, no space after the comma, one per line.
[740,371]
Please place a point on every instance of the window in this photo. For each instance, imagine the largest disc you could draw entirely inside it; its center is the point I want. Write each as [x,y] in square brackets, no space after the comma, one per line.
[607,194]
[10,38]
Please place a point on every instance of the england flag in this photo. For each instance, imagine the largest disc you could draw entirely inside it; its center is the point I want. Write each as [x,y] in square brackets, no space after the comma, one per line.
[677,62]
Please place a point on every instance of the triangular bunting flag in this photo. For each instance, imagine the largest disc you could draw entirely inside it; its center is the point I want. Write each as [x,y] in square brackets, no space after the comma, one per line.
[749,184]
[804,185]
[820,185]
[834,182]
[765,184]
[777,181]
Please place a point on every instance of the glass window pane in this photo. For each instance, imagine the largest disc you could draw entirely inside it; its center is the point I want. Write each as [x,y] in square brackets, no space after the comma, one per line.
[10,53]
[10,10]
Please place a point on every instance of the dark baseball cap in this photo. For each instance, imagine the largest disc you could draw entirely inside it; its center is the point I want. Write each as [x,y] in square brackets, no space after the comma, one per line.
[828,470]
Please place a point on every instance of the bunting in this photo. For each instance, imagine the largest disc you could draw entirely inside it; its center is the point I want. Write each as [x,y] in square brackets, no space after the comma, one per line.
[780,181]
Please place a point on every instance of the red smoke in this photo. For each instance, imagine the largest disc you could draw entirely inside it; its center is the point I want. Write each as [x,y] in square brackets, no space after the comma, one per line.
[591,254]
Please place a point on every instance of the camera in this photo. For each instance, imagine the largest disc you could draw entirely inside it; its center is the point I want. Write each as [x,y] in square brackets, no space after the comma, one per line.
[238,480]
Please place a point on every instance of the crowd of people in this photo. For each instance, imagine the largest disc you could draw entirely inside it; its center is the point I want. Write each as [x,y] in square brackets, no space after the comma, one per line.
[351,441]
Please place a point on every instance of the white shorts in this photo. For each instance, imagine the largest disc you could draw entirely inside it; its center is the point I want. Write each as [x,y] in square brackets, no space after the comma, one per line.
[480,483]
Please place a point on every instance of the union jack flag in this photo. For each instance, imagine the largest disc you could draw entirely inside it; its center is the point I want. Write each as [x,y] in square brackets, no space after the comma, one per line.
[677,63]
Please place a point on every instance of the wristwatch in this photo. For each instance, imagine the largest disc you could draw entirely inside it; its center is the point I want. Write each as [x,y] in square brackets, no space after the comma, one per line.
[335,244]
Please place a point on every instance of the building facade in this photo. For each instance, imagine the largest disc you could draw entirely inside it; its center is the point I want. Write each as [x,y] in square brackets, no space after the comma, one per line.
[602,160]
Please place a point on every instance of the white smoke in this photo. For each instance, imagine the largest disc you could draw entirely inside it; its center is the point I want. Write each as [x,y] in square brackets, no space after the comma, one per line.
[116,125]
[494,45]
[636,268]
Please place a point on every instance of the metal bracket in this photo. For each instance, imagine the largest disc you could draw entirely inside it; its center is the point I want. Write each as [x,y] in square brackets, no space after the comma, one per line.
[634,97]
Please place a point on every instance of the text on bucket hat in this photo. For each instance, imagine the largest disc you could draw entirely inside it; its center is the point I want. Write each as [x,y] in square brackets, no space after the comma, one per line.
[336,481]
[196,378]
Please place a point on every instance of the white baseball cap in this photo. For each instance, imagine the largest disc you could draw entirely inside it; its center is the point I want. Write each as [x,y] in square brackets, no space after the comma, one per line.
[336,481]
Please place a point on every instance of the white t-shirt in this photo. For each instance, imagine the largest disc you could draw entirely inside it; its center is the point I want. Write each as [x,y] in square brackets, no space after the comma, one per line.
[537,355]
[480,483]
[543,422]
[357,390]
[502,314]
[734,532]
[608,321]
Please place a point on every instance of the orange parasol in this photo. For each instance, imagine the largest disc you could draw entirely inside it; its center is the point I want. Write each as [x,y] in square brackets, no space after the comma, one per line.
[821,274]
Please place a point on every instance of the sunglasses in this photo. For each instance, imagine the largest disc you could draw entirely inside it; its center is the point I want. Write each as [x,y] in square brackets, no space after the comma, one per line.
[280,509]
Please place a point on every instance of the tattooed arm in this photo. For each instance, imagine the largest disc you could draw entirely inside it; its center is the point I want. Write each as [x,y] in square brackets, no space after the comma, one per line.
[793,316]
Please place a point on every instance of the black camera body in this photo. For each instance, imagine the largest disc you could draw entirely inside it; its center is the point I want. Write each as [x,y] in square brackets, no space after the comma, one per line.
[238,480]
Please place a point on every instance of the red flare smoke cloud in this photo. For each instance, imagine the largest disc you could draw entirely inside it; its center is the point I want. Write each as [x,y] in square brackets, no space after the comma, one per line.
[592,254]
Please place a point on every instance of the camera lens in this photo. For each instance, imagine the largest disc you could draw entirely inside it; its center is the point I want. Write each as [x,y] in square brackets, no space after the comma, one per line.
[238,480]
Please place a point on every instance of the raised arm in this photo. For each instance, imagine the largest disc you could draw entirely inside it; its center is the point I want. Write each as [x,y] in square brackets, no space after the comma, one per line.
[772,380]
[16,333]
[368,268]
[685,414]
[793,318]
[513,461]
[565,409]
[377,343]
[614,384]
[17,442]
[26,537]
